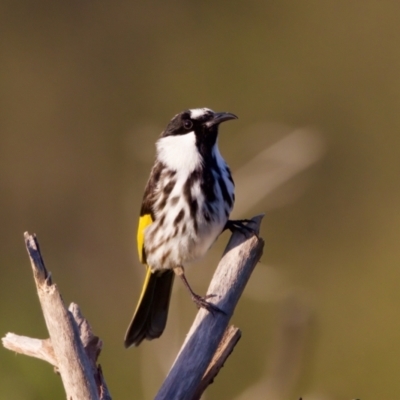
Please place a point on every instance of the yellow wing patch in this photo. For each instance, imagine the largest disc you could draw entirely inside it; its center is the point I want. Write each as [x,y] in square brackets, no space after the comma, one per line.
[144,222]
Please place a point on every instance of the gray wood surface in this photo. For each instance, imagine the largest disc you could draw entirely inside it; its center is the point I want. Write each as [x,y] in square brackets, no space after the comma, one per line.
[240,257]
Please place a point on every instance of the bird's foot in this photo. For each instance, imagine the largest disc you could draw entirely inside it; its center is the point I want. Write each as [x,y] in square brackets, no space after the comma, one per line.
[201,302]
[241,226]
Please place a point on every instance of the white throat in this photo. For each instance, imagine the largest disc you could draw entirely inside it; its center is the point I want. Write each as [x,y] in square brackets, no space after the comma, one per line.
[179,152]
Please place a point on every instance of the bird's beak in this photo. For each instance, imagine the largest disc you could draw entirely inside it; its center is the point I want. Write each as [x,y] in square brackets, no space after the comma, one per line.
[220,117]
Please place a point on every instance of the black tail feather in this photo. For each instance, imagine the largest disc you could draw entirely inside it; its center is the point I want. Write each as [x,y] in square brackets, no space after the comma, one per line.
[151,313]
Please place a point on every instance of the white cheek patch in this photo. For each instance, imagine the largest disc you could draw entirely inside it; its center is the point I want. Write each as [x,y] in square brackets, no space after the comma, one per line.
[179,152]
[197,113]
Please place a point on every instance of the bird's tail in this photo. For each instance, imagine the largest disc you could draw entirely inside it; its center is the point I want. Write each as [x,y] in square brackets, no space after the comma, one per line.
[151,313]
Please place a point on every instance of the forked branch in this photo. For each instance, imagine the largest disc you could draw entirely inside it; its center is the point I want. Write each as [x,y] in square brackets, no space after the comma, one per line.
[230,278]
[72,347]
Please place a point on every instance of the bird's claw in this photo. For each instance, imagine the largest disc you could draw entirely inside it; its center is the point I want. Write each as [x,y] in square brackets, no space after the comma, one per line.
[201,302]
[241,226]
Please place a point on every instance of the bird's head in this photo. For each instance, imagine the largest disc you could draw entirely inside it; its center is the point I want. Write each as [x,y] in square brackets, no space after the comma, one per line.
[203,122]
[190,133]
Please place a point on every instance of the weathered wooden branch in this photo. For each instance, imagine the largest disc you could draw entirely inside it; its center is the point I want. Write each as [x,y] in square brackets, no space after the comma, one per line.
[224,350]
[73,349]
[238,261]
[38,348]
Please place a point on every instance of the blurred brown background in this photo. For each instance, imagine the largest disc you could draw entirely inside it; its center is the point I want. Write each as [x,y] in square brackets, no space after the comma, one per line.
[85,90]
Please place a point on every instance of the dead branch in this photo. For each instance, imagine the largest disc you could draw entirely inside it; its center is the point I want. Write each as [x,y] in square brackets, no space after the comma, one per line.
[72,347]
[224,350]
[238,261]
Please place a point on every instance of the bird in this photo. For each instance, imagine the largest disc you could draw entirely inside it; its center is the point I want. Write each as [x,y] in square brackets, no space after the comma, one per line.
[186,205]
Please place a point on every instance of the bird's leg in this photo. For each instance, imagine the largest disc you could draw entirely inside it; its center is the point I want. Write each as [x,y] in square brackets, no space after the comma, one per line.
[240,225]
[201,302]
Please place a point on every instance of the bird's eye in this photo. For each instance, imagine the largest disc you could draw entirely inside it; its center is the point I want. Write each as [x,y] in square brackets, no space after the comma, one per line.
[187,124]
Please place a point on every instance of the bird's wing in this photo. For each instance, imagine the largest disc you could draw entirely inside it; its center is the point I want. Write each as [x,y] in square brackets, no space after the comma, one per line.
[146,212]
[151,312]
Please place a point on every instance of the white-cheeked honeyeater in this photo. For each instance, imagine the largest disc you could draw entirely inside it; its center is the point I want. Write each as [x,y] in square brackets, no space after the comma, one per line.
[186,205]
